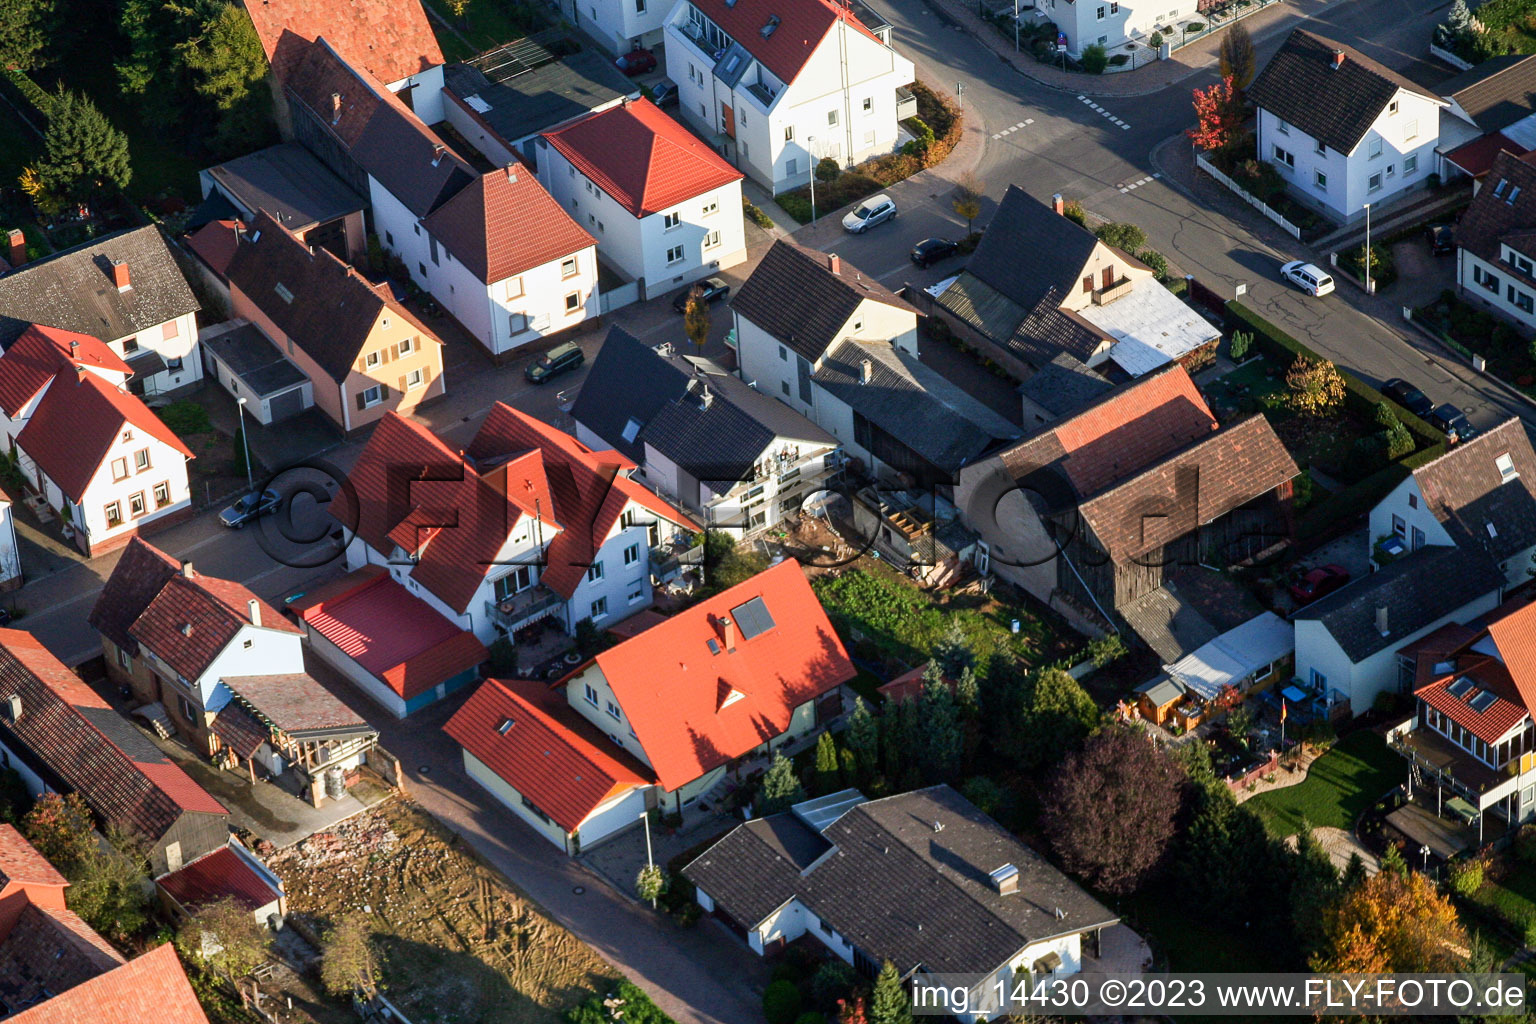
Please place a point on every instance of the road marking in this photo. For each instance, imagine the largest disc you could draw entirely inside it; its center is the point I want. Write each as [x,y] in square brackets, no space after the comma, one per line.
[1013,128]
[1107,115]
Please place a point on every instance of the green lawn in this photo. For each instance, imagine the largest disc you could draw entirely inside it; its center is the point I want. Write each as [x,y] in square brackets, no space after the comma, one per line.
[1193,942]
[1339,787]
[880,613]
[486,24]
[1513,898]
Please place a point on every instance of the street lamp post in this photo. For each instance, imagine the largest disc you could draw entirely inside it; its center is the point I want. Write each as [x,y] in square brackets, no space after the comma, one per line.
[1368,289]
[645,816]
[810,154]
[245,446]
[1015,26]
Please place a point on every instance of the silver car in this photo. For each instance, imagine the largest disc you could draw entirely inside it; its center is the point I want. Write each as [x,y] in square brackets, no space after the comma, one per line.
[874,210]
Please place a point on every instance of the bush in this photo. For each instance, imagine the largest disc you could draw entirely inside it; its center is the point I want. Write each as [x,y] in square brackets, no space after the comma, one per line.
[987,795]
[1525,844]
[1073,211]
[1240,343]
[1155,41]
[1094,59]
[1119,60]
[1467,876]
[781,1002]
[186,418]
[754,214]
[827,169]
[1156,262]
[1125,237]
[1194,26]
[832,981]
[503,657]
[638,1008]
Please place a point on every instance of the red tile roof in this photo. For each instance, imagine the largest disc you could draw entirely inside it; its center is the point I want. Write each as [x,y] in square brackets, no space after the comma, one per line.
[1486,673]
[390,39]
[641,157]
[504,223]
[76,424]
[215,243]
[692,709]
[802,26]
[152,989]
[549,754]
[192,618]
[215,876]
[124,778]
[47,949]
[1512,627]
[590,489]
[140,572]
[1477,156]
[40,353]
[395,635]
[21,863]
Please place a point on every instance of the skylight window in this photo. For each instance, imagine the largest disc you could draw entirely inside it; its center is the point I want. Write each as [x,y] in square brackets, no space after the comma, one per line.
[1459,686]
[631,429]
[505,726]
[1498,190]
[1507,470]
[1483,701]
[714,645]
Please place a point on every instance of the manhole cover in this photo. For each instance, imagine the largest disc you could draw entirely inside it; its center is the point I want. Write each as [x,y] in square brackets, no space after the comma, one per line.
[579,890]
[424,769]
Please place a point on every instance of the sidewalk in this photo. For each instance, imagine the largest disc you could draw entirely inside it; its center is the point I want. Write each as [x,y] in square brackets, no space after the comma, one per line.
[1144,81]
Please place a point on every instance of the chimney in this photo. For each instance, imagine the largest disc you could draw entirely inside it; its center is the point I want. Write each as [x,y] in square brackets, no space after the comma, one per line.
[1338,58]
[74,351]
[512,172]
[437,154]
[120,275]
[835,264]
[1059,205]
[1381,620]
[186,569]
[1005,880]
[335,107]
[186,629]
[728,632]
[13,708]
[707,398]
[866,370]
[253,606]
[17,253]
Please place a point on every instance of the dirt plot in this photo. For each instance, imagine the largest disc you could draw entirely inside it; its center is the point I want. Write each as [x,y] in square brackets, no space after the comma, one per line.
[459,944]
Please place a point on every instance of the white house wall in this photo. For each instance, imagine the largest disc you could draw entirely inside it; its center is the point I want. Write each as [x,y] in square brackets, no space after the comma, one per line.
[621,25]
[611,817]
[271,652]
[1472,273]
[426,93]
[166,465]
[181,345]
[11,758]
[10,554]
[360,677]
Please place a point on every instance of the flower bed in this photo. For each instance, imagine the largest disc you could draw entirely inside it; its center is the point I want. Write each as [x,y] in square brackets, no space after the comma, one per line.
[1473,331]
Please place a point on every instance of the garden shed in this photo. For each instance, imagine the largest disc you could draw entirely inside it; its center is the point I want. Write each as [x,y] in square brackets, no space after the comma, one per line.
[1237,656]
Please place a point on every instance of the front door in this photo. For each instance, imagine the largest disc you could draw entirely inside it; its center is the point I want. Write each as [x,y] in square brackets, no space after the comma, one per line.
[727,120]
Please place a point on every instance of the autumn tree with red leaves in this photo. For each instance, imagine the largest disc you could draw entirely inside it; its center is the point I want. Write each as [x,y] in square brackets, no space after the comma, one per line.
[1219,111]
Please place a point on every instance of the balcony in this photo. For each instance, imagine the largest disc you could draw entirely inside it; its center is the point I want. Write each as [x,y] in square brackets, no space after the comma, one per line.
[1439,758]
[906,103]
[672,560]
[1120,289]
[523,607]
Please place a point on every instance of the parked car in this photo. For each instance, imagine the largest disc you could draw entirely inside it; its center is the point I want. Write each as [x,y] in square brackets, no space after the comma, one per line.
[1320,582]
[712,290]
[872,211]
[1442,239]
[930,250]
[1408,396]
[636,62]
[558,360]
[250,507]
[1308,277]
[664,93]
[1453,422]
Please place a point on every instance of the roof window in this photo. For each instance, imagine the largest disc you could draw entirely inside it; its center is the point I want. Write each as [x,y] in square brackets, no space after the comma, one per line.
[505,726]
[1507,470]
[1498,190]
[773,23]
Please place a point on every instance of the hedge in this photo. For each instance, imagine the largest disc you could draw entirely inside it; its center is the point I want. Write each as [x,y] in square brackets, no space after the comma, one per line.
[1360,397]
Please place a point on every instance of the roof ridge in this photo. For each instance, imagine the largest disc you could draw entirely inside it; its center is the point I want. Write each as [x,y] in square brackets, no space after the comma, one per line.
[1220,433]
[1459,448]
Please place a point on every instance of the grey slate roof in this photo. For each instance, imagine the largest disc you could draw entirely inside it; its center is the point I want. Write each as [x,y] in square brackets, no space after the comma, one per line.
[249,354]
[1064,385]
[1467,493]
[543,98]
[73,289]
[913,403]
[630,380]
[896,887]
[1496,93]
[1416,589]
[1028,248]
[289,183]
[794,295]
[1337,105]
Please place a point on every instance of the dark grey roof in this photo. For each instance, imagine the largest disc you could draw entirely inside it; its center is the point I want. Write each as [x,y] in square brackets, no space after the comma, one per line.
[913,403]
[1337,105]
[1028,249]
[1496,93]
[899,888]
[255,360]
[1064,385]
[73,289]
[662,394]
[796,296]
[1416,590]
[543,98]
[289,183]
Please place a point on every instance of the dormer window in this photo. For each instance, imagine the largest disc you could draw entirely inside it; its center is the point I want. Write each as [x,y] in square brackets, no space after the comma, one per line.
[1507,470]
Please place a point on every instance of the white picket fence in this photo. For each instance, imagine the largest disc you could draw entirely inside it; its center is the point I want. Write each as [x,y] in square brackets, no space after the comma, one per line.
[1242,193]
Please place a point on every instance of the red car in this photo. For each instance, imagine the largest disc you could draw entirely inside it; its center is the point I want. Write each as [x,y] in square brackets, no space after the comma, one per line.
[636,62]
[1317,583]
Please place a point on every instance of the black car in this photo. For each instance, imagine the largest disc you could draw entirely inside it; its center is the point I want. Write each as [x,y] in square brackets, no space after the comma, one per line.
[1453,422]
[249,507]
[712,290]
[1442,239]
[556,361]
[1408,396]
[930,250]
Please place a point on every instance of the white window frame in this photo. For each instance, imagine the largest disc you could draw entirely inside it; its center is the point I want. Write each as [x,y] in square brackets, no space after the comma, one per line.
[671,220]
[674,254]
[377,393]
[414,379]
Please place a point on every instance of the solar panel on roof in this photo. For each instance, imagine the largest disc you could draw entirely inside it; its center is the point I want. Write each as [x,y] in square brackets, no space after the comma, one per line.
[752,618]
[1483,701]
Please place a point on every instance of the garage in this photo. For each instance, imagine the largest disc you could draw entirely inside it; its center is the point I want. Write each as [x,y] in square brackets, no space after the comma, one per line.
[248,365]
[285,405]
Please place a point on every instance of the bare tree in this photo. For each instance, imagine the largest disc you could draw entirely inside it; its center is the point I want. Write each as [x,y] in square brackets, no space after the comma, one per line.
[349,963]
